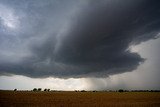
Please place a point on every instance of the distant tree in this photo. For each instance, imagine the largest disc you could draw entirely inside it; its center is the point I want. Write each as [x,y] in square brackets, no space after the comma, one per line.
[34,89]
[120,90]
[39,89]
[46,89]
[83,91]
[15,89]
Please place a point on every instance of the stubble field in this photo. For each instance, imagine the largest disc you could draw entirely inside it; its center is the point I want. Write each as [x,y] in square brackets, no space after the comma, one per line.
[79,99]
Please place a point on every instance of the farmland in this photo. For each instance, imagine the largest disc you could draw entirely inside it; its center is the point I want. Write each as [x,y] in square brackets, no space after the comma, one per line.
[78,99]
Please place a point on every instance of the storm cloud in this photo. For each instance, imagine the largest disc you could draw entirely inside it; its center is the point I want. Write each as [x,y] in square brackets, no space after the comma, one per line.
[74,38]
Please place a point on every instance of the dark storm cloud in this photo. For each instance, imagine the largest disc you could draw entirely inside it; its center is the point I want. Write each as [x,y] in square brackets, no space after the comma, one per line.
[80,39]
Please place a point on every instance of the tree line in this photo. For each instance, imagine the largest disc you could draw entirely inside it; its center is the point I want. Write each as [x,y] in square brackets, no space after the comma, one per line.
[120,90]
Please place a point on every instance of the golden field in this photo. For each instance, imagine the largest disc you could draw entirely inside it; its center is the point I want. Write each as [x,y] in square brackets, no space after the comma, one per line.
[79,99]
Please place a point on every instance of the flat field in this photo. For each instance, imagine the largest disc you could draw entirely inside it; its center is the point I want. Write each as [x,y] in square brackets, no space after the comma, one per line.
[79,99]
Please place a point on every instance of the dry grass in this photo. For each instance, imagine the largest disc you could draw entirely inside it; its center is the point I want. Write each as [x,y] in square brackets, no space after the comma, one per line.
[79,99]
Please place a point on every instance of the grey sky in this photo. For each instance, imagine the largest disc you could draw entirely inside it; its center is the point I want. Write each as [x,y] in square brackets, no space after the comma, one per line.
[80,39]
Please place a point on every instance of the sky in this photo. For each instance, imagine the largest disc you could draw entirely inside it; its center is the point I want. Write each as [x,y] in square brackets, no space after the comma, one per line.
[79,44]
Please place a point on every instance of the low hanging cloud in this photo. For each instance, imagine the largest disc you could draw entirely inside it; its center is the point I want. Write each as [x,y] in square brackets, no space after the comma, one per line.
[75,38]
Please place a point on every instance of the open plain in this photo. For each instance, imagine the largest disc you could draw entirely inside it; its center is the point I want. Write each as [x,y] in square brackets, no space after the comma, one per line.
[78,99]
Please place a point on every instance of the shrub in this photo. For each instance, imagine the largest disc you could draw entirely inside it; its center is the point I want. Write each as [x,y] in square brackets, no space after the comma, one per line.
[35,89]
[120,90]
[15,89]
[39,89]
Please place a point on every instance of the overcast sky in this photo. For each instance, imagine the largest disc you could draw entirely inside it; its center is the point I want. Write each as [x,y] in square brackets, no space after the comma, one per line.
[79,44]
